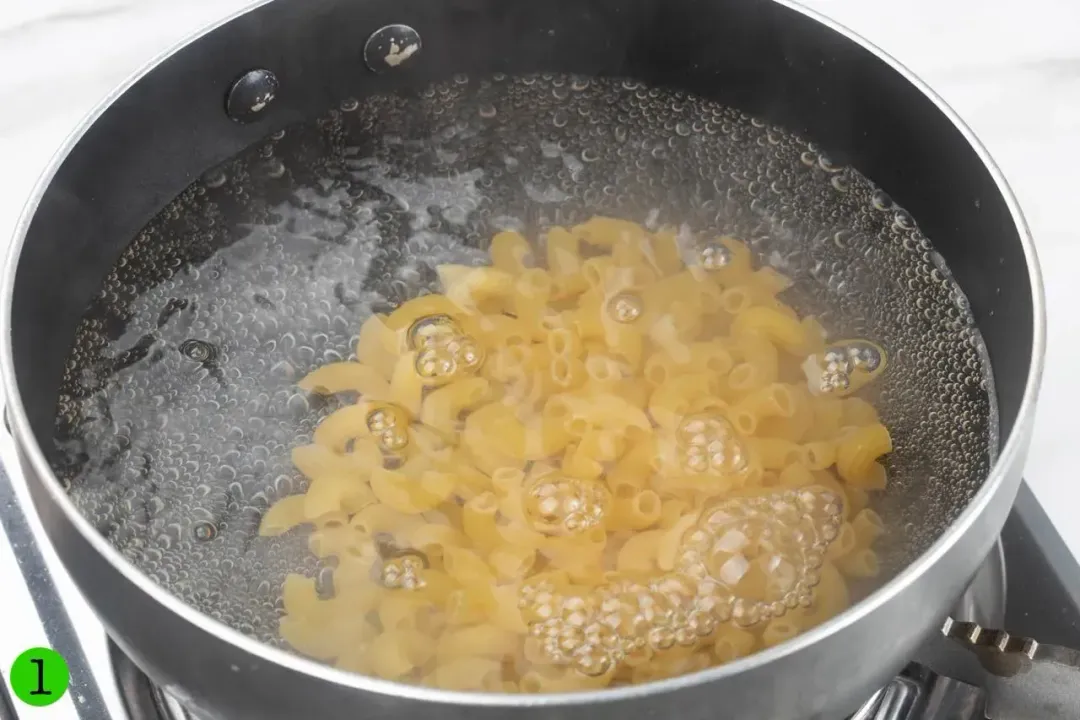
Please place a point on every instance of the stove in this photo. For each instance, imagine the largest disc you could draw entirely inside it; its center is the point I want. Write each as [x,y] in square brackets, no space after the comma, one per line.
[41,607]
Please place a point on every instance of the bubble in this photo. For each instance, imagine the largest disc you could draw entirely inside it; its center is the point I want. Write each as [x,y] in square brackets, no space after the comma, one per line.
[709,442]
[557,505]
[404,571]
[880,200]
[715,257]
[381,420]
[827,165]
[198,350]
[625,307]
[214,178]
[393,439]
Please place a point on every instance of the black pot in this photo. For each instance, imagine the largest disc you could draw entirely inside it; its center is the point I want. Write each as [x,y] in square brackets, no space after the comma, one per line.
[295,58]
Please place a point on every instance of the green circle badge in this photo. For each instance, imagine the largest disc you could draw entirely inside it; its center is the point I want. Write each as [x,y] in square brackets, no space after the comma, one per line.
[39,677]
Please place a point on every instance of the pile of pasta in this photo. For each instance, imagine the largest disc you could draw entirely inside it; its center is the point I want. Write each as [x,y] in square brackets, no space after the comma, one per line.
[609,457]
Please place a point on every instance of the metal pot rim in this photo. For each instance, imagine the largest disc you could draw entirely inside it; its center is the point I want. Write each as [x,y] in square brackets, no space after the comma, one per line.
[1012,450]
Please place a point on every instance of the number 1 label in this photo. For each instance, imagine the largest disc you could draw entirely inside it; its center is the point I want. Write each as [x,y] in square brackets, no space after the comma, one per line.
[39,677]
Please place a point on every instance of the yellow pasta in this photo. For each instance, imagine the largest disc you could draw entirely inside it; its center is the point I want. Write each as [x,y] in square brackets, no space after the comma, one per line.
[860,563]
[666,254]
[511,252]
[381,518]
[317,460]
[432,539]
[769,282]
[442,408]
[858,452]
[732,643]
[783,330]
[411,491]
[512,562]
[829,598]
[347,377]
[796,475]
[317,638]
[567,373]
[564,342]
[672,401]
[499,331]
[467,567]
[470,605]
[844,367]
[844,544]
[283,516]
[335,493]
[532,291]
[736,300]
[378,346]
[299,596]
[635,467]
[605,410]
[563,253]
[634,510]
[778,631]
[773,400]
[819,455]
[343,427]
[412,314]
[469,673]
[477,641]
[406,384]
[624,343]
[606,231]
[856,411]
[775,453]
[505,608]
[638,554]
[857,500]
[618,420]
[867,526]
[478,521]
[476,288]
[395,654]
[702,357]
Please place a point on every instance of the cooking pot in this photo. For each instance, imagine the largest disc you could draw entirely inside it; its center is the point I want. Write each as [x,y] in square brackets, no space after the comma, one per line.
[284,61]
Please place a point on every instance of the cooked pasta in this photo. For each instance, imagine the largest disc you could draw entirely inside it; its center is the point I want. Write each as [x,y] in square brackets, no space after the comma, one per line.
[528,467]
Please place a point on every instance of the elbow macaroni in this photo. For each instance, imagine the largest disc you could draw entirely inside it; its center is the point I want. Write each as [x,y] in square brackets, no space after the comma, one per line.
[528,464]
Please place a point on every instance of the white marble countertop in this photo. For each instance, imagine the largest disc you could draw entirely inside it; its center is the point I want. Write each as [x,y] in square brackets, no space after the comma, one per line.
[1012,70]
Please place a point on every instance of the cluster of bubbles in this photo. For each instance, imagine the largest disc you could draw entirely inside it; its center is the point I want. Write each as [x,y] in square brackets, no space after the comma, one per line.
[179,405]
[390,427]
[445,351]
[714,257]
[626,307]
[708,442]
[558,505]
[747,560]
[841,363]
[403,572]
[621,622]
[762,554]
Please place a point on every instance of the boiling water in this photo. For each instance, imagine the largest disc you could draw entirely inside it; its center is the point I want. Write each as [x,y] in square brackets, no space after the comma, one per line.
[179,405]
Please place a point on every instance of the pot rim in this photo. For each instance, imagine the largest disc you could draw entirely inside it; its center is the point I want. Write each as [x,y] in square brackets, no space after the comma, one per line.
[1013,449]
